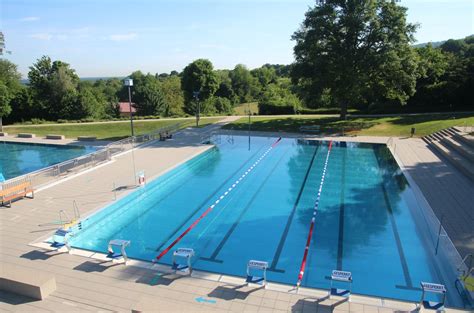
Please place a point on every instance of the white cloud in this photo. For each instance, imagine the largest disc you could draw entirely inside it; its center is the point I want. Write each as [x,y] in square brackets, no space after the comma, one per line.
[122,37]
[42,36]
[29,19]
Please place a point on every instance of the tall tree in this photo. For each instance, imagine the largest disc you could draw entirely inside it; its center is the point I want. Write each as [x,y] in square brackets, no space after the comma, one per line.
[9,86]
[198,76]
[358,50]
[173,96]
[54,88]
[147,94]
[243,83]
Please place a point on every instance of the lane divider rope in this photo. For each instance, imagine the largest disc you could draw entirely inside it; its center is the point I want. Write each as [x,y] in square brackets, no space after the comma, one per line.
[313,219]
[219,199]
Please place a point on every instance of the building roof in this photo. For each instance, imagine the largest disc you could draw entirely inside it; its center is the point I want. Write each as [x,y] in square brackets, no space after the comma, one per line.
[124,107]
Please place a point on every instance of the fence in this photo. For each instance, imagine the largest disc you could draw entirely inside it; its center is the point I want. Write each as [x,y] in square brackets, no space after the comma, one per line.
[52,173]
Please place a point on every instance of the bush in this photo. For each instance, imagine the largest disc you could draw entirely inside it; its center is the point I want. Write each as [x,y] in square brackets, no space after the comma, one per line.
[385,108]
[37,121]
[272,109]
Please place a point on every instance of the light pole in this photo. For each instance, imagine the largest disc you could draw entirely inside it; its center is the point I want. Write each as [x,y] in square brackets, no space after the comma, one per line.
[129,83]
[198,108]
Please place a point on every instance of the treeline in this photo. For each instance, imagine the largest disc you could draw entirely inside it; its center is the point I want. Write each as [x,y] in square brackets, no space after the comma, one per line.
[54,91]
[442,81]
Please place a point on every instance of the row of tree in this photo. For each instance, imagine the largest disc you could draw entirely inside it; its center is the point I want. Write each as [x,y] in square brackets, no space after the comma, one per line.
[55,92]
[348,54]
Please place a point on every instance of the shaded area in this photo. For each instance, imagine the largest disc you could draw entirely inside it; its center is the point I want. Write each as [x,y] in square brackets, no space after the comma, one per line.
[232,292]
[95,266]
[14,299]
[377,126]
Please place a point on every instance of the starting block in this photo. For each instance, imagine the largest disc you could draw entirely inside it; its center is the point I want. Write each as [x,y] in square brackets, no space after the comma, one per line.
[432,288]
[253,266]
[180,254]
[114,256]
[341,276]
[60,238]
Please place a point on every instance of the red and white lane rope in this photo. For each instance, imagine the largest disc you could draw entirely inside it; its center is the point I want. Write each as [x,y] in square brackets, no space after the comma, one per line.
[313,219]
[209,209]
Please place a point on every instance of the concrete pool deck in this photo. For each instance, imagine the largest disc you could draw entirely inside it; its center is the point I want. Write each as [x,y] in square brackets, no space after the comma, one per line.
[85,284]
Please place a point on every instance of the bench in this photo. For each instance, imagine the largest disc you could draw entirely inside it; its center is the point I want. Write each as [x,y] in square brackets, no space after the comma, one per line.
[55,137]
[311,128]
[26,135]
[16,191]
[26,282]
[86,138]
[165,135]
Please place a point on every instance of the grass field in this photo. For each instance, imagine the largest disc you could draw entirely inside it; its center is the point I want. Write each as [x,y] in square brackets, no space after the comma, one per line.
[242,109]
[399,126]
[104,131]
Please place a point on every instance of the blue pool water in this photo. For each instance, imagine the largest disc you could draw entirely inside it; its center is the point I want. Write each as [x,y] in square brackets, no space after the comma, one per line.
[364,223]
[21,158]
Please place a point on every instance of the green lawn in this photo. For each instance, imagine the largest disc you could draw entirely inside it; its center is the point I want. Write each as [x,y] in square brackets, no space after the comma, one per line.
[384,126]
[104,131]
[242,109]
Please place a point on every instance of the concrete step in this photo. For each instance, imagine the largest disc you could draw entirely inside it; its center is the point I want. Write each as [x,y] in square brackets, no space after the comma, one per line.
[457,160]
[437,136]
[464,139]
[452,130]
[463,150]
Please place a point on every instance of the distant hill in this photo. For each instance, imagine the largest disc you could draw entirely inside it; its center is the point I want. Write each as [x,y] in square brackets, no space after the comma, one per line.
[434,44]
[92,79]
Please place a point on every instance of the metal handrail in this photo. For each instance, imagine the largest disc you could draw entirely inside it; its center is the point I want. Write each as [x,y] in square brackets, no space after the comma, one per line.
[104,154]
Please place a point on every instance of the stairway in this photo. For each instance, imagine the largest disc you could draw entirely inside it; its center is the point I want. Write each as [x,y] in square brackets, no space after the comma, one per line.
[455,146]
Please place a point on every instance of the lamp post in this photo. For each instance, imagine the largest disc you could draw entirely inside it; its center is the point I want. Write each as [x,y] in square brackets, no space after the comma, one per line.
[128,82]
[198,108]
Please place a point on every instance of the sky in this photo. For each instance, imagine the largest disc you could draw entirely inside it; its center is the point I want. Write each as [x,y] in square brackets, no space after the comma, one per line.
[104,38]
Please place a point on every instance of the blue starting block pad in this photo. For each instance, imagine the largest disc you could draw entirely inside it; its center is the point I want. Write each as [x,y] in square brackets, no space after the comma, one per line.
[60,238]
[432,288]
[119,243]
[180,254]
[340,292]
[261,266]
[341,276]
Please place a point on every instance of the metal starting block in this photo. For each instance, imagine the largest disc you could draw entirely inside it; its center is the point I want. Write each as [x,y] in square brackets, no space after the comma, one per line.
[432,288]
[183,254]
[60,239]
[253,266]
[341,276]
[116,256]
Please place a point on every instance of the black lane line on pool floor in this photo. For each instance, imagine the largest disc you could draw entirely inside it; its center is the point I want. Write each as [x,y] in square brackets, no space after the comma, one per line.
[203,203]
[340,239]
[281,244]
[236,223]
[401,253]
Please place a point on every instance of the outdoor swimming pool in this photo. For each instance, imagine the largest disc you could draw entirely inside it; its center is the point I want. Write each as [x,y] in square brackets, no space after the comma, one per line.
[21,158]
[365,223]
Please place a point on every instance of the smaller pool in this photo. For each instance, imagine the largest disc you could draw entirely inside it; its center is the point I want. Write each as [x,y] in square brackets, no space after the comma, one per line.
[17,159]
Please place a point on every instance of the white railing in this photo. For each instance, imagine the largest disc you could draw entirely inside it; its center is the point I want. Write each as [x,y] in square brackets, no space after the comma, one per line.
[57,171]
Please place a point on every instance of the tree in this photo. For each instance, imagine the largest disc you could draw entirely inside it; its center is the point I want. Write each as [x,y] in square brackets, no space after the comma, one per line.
[432,66]
[54,87]
[147,94]
[173,96]
[265,75]
[198,76]
[9,87]
[358,50]
[243,83]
